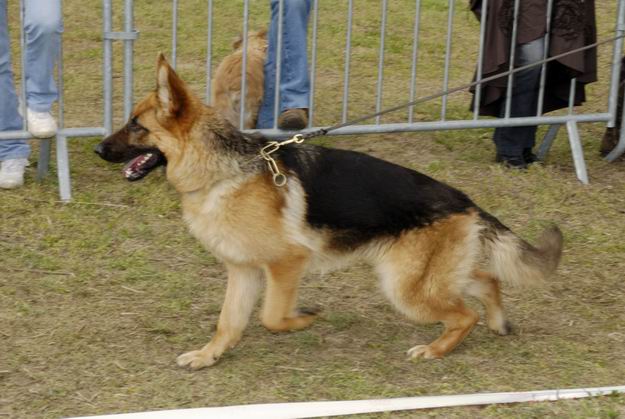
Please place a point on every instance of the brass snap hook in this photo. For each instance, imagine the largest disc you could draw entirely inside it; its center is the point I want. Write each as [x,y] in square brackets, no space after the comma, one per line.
[279,179]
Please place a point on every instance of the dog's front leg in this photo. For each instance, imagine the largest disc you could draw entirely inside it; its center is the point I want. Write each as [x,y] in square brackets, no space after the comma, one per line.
[279,313]
[244,286]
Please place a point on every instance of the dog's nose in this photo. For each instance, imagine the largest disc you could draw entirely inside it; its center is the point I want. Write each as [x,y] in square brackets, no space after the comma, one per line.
[99,149]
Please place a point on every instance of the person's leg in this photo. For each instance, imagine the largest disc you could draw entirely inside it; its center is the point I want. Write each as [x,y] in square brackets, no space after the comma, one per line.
[43,26]
[295,85]
[13,153]
[9,117]
[511,143]
[612,136]
[294,79]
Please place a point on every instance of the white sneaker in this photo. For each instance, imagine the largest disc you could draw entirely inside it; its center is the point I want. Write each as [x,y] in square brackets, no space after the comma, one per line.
[41,124]
[12,173]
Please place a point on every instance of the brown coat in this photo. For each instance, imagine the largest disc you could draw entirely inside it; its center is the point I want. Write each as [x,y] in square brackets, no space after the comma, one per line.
[572,26]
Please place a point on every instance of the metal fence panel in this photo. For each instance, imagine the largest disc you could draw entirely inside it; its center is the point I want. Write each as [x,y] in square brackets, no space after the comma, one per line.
[129,35]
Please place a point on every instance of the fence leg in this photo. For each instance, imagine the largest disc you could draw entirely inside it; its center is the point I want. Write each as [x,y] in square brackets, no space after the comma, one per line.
[44,159]
[550,136]
[577,151]
[62,168]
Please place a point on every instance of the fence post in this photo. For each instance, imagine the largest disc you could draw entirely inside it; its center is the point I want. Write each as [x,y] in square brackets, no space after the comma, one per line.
[616,62]
[128,57]
[313,64]
[616,67]
[380,83]
[23,50]
[415,58]
[62,154]
[246,7]
[276,96]
[513,39]
[543,68]
[107,70]
[209,51]
[174,33]
[450,21]
[348,60]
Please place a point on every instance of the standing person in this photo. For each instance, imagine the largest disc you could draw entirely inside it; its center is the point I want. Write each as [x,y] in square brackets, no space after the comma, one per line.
[612,135]
[572,26]
[294,88]
[42,26]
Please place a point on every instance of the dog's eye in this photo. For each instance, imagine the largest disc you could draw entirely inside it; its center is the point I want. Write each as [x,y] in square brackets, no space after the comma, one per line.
[135,126]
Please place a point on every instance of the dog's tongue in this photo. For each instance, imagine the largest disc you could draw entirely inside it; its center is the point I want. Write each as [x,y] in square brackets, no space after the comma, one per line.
[140,166]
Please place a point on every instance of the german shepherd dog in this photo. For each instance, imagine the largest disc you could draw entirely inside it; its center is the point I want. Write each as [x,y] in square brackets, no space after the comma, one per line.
[429,243]
[226,85]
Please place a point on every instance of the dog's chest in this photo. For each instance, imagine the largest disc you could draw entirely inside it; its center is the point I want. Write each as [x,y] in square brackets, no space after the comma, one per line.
[223,222]
[210,220]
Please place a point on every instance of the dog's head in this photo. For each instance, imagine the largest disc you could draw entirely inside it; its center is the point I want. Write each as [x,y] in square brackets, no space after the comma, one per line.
[163,117]
[256,40]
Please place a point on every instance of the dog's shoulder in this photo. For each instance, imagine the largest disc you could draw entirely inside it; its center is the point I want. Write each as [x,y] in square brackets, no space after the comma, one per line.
[352,191]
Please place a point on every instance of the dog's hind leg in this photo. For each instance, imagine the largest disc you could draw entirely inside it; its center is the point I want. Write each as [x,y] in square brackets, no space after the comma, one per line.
[279,313]
[423,301]
[458,321]
[485,287]
[424,274]
[244,286]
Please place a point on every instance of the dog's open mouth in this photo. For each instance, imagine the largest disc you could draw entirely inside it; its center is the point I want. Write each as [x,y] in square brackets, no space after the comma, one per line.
[143,164]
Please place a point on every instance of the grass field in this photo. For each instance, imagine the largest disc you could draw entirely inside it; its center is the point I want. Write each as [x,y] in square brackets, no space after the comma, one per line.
[98,297]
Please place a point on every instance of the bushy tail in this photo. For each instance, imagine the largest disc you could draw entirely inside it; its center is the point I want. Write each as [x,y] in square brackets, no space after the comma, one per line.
[515,261]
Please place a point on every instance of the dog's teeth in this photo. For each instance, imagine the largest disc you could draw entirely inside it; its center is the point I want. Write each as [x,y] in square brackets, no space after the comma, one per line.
[147,156]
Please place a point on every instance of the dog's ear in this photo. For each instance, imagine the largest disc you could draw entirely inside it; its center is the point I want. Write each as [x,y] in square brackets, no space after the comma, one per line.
[171,90]
[262,33]
[236,42]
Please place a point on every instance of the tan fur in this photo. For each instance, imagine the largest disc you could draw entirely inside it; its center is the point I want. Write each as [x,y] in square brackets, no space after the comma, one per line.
[485,287]
[260,232]
[424,274]
[518,263]
[226,84]
[279,313]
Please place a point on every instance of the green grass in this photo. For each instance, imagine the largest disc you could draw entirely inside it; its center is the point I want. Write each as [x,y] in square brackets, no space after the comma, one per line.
[97,297]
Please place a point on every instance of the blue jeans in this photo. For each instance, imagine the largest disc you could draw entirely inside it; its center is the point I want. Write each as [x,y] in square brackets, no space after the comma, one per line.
[510,141]
[294,86]
[42,26]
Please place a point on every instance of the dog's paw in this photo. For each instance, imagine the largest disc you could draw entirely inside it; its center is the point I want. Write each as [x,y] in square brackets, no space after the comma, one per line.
[196,359]
[422,351]
[508,328]
[501,328]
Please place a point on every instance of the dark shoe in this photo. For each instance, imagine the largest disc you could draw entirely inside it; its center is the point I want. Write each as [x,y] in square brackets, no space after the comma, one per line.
[293,119]
[529,156]
[513,162]
[609,141]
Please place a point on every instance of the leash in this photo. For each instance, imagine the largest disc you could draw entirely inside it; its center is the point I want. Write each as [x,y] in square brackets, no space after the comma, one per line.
[280,179]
